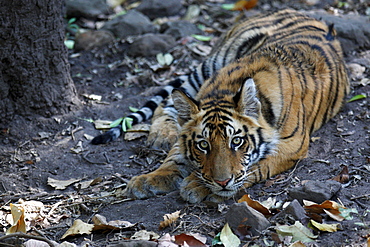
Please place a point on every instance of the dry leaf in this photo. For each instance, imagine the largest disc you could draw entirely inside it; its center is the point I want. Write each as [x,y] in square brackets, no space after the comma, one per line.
[19,224]
[245,4]
[78,228]
[297,231]
[61,184]
[255,204]
[190,240]
[93,97]
[343,176]
[228,238]
[326,227]
[102,124]
[100,223]
[144,235]
[331,208]
[169,219]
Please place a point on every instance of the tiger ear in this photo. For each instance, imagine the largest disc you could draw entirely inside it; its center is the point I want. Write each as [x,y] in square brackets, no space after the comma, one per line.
[184,104]
[246,100]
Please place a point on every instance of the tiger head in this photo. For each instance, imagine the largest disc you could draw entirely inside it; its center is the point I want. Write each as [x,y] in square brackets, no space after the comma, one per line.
[223,135]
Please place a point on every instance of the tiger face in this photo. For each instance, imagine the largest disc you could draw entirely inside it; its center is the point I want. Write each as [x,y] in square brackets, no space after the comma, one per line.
[223,138]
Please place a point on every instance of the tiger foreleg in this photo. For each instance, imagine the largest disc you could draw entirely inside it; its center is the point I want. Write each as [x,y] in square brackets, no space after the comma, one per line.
[165,129]
[166,178]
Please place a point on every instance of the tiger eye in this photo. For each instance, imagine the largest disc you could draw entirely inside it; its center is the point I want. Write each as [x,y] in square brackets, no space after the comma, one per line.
[203,145]
[237,140]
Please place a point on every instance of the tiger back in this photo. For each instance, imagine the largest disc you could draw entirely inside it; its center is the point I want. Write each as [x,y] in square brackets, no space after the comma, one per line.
[247,112]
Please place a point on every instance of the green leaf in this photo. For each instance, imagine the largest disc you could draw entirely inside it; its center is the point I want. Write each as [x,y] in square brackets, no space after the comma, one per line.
[357,97]
[201,37]
[116,122]
[217,239]
[297,231]
[228,6]
[228,238]
[346,212]
[69,43]
[128,122]
[72,20]
[133,109]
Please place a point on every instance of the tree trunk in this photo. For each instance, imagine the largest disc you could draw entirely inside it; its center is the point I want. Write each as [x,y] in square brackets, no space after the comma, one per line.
[34,70]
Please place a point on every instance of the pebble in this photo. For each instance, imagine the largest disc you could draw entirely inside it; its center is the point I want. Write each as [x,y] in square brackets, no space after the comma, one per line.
[150,45]
[242,214]
[159,8]
[132,23]
[315,191]
[92,39]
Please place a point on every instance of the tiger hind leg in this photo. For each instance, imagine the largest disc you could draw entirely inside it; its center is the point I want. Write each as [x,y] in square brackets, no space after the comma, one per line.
[165,129]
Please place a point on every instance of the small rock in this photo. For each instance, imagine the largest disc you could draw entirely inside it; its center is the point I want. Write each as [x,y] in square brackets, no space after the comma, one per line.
[315,191]
[159,8]
[179,29]
[92,39]
[91,9]
[150,45]
[132,23]
[295,210]
[353,31]
[242,214]
[356,71]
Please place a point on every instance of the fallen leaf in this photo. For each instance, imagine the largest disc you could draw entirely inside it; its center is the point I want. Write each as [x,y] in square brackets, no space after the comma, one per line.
[93,97]
[255,204]
[297,231]
[228,238]
[100,223]
[78,148]
[164,59]
[331,208]
[61,184]
[190,240]
[326,227]
[19,224]
[297,244]
[78,228]
[144,235]
[241,5]
[357,97]
[102,124]
[343,176]
[137,131]
[346,213]
[169,219]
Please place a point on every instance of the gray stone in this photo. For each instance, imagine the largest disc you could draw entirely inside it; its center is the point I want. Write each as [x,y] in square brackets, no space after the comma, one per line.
[242,214]
[159,8]
[179,29]
[150,45]
[132,23]
[293,210]
[353,30]
[90,9]
[315,191]
[92,39]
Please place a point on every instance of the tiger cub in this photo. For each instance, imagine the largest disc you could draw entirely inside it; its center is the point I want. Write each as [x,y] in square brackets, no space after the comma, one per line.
[247,112]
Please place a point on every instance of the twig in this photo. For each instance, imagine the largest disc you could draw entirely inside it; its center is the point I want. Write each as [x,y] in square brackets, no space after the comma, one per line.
[24,235]
[358,197]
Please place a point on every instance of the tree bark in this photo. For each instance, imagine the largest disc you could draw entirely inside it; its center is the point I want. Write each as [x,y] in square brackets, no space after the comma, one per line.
[34,69]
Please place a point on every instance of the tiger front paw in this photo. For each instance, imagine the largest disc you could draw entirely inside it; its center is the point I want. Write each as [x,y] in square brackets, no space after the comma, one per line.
[149,185]
[193,191]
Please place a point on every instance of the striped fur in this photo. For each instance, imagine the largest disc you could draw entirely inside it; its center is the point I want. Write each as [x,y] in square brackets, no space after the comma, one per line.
[247,112]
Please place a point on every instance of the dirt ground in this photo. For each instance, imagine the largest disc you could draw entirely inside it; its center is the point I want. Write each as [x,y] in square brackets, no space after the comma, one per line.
[34,149]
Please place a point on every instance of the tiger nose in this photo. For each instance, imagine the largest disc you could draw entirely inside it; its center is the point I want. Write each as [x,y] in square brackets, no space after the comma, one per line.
[223,183]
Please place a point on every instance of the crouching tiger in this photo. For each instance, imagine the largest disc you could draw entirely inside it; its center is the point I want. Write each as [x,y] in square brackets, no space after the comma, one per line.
[247,112]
